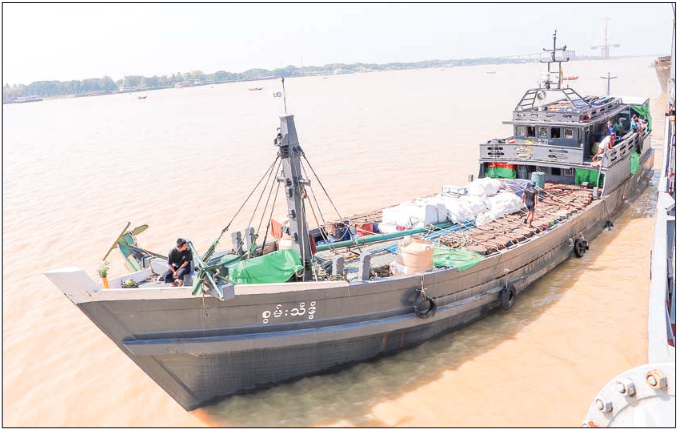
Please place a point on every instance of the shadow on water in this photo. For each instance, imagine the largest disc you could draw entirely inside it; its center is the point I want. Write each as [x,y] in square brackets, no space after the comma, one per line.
[347,397]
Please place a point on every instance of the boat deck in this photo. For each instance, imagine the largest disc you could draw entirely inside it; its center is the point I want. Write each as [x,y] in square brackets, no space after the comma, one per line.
[556,203]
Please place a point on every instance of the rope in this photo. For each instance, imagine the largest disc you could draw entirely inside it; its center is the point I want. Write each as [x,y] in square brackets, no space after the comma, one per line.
[320,213]
[211,250]
[266,234]
[324,190]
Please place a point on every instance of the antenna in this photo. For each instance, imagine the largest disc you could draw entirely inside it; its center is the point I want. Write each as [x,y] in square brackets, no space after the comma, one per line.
[554,60]
[608,83]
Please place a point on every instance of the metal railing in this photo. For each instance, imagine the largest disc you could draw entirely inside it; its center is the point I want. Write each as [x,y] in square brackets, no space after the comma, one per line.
[662,297]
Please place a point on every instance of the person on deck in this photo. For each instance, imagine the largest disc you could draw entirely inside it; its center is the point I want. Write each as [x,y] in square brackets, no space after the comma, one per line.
[604,145]
[611,131]
[618,127]
[530,199]
[179,263]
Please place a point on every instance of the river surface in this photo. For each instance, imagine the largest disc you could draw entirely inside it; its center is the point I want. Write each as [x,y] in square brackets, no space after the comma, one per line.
[183,160]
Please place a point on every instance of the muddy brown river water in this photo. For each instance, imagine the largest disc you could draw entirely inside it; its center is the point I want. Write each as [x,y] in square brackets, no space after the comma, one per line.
[76,170]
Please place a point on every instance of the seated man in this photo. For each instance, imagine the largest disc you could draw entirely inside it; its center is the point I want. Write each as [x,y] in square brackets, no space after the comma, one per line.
[179,263]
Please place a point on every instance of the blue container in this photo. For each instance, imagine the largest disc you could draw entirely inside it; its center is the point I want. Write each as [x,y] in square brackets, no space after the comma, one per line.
[539,178]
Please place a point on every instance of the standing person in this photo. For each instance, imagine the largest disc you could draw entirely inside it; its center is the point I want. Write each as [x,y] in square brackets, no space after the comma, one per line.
[530,199]
[618,127]
[611,131]
[179,263]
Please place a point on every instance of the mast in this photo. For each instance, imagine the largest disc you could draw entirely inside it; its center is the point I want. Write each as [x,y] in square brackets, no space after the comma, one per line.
[291,177]
[553,59]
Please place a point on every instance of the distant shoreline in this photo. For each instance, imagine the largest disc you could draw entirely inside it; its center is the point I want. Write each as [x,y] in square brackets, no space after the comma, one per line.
[293,72]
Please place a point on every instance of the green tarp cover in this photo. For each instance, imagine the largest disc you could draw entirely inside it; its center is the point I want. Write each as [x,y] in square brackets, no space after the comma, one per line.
[644,113]
[276,267]
[501,173]
[459,258]
[588,176]
[634,163]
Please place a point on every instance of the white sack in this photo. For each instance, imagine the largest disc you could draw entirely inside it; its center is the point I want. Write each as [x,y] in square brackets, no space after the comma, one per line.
[484,187]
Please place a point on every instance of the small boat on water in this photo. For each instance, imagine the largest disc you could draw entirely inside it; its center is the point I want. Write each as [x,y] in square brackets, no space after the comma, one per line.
[256,89]
[290,299]
[142,97]
[569,78]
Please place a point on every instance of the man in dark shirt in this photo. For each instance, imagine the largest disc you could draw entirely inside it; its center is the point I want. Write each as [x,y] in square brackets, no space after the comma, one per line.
[530,199]
[179,263]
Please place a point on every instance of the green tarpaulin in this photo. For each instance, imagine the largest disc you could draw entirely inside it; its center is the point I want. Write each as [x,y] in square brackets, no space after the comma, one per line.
[634,163]
[276,267]
[459,258]
[588,176]
[644,113]
[501,173]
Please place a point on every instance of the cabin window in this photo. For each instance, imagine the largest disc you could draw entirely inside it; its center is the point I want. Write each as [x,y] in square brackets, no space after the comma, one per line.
[521,131]
[556,133]
[556,172]
[531,131]
[570,172]
[543,132]
[568,133]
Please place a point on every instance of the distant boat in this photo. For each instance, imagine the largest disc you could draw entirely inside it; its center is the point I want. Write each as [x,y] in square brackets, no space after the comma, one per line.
[256,89]
[491,72]
[142,97]
[569,78]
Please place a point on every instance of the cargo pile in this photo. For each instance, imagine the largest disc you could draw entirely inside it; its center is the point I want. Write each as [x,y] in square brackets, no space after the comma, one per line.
[556,203]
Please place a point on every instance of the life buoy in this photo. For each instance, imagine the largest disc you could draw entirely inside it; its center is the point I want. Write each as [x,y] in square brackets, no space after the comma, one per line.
[425,307]
[508,297]
[580,247]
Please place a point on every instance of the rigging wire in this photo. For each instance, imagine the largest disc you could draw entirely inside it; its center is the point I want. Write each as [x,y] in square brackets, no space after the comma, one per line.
[211,250]
[266,205]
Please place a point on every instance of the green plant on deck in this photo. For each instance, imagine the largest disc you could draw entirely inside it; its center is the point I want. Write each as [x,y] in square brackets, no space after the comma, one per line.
[103,269]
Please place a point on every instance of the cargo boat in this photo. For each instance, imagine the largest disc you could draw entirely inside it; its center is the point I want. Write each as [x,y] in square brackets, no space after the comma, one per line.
[237,325]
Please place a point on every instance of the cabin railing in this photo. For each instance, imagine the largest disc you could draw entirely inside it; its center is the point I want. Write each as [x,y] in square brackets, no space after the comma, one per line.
[620,150]
[519,151]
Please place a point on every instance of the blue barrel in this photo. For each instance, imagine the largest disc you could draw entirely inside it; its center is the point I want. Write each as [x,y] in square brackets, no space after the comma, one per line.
[539,178]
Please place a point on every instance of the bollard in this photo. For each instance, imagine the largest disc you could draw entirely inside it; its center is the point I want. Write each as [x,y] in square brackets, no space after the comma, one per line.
[364,269]
[249,237]
[337,265]
[236,240]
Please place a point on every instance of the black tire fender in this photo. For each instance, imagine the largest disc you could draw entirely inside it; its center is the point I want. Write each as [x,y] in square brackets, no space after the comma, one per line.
[580,247]
[508,297]
[425,307]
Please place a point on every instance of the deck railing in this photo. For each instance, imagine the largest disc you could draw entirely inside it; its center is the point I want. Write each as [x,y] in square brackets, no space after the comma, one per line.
[662,297]
[620,150]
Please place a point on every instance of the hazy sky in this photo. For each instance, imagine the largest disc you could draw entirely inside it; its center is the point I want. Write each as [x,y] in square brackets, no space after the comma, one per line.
[76,41]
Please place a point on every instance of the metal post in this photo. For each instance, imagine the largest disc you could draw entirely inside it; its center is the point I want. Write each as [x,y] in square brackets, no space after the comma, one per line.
[608,83]
[337,265]
[237,241]
[364,269]
[249,237]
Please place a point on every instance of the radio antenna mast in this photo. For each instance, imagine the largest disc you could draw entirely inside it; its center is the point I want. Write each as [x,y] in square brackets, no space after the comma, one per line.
[554,60]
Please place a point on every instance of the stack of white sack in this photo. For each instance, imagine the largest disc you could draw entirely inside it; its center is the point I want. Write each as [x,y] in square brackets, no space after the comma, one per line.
[461,209]
[411,215]
[441,210]
[484,187]
[501,204]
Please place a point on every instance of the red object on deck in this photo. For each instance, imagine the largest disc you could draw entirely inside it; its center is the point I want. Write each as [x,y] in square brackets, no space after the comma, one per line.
[500,165]
[276,229]
[312,243]
[364,229]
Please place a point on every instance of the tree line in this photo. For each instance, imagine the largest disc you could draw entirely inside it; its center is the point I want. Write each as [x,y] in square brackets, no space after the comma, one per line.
[137,82]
